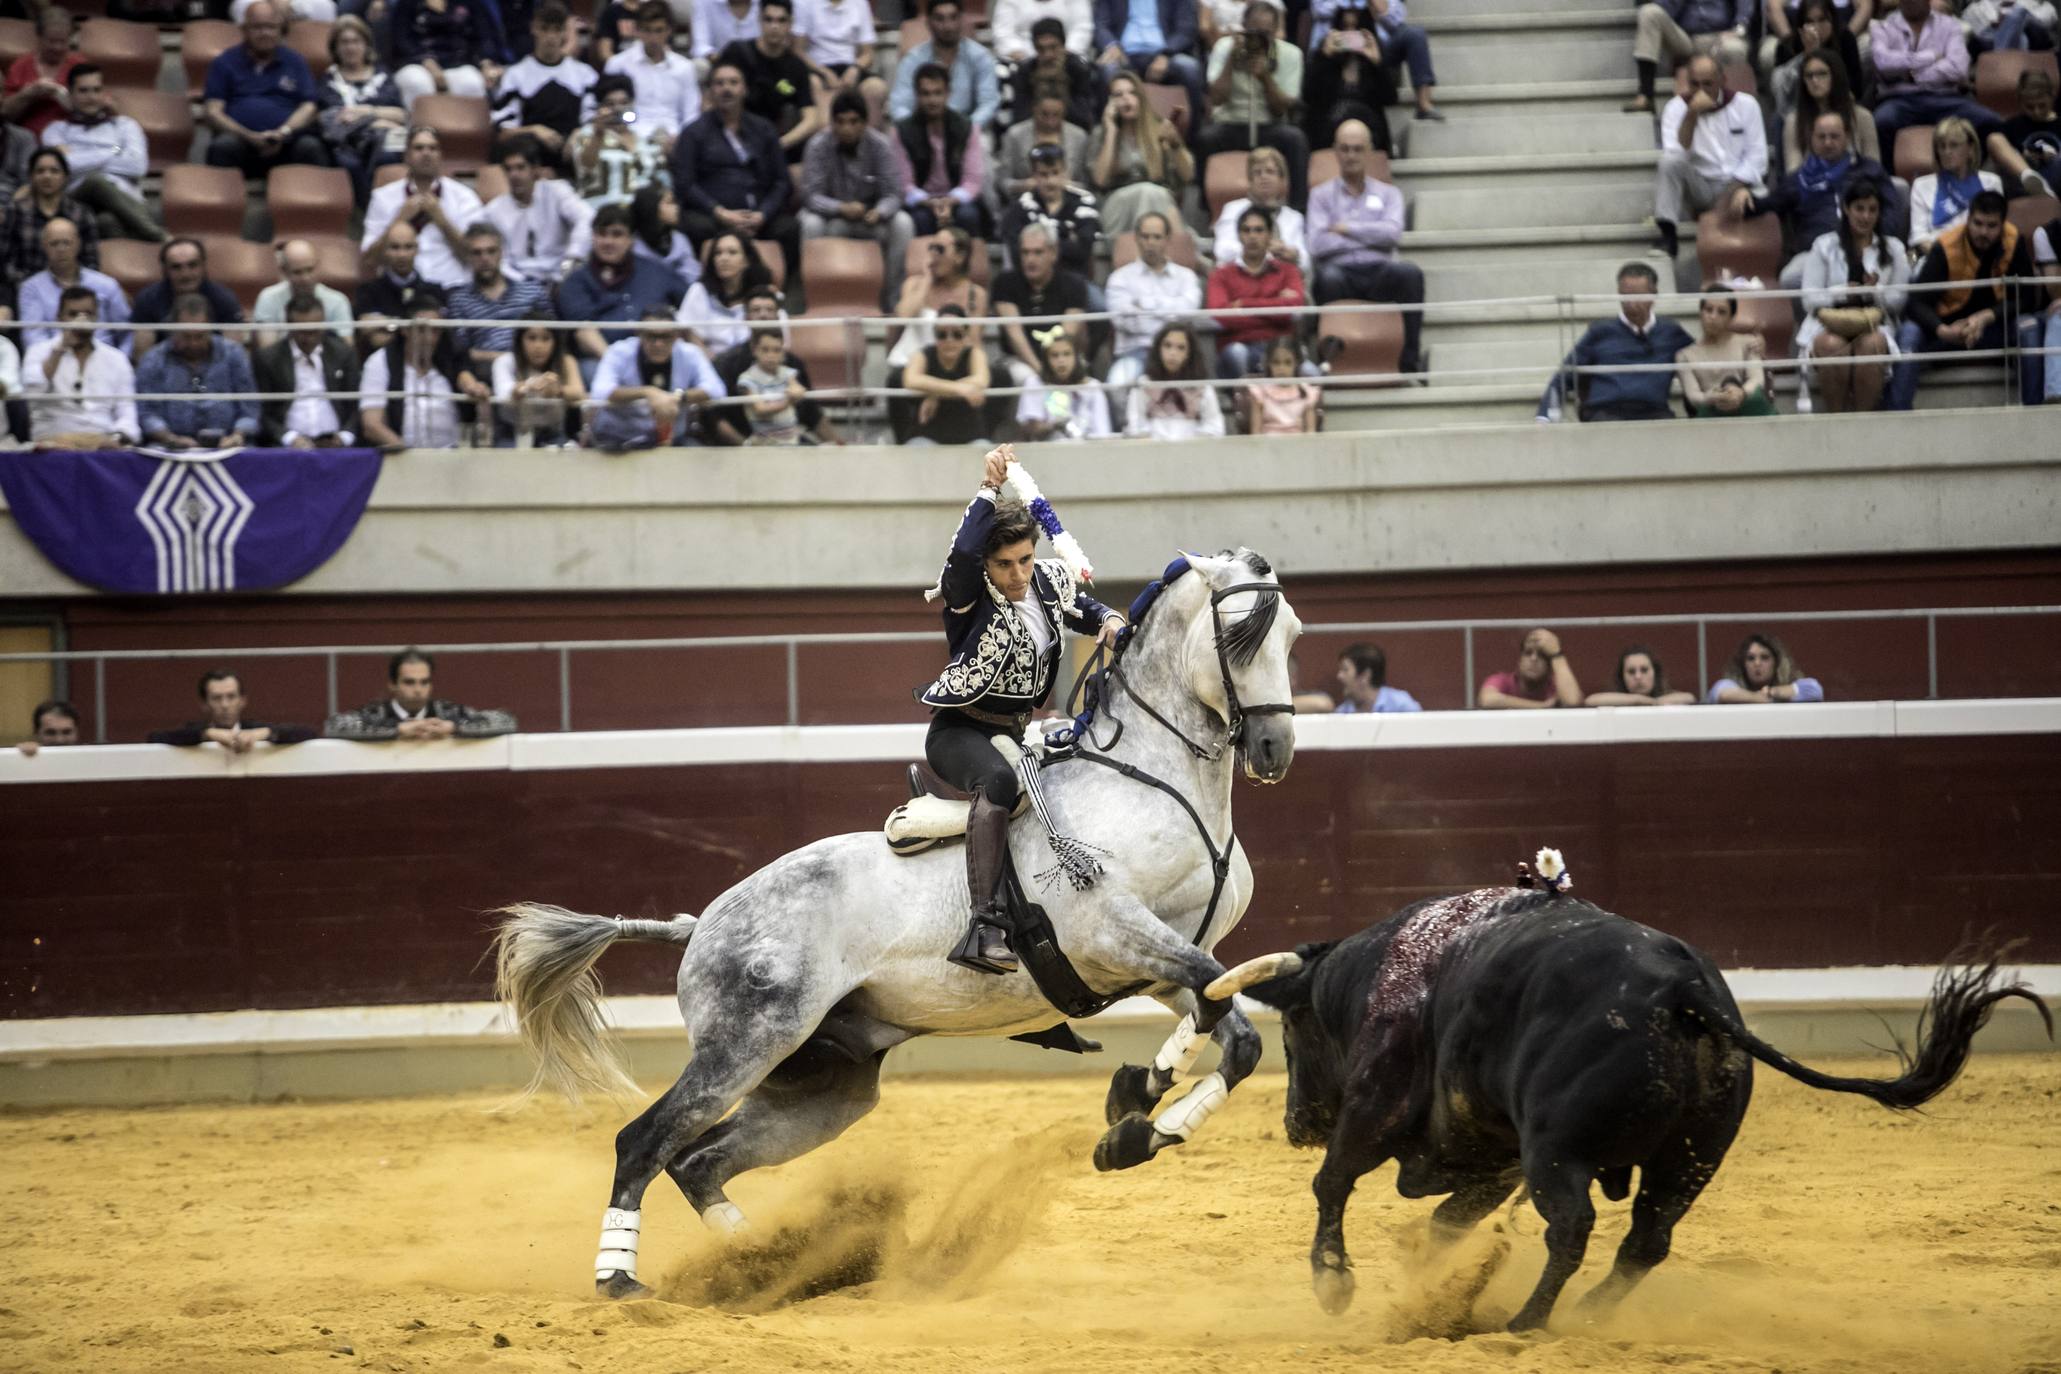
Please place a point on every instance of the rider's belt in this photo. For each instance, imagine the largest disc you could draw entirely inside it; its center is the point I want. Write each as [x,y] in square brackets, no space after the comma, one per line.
[1015,721]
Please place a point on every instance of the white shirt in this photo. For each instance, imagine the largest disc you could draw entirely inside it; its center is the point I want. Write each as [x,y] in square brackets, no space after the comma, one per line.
[1010,25]
[436,259]
[547,238]
[311,414]
[668,95]
[10,369]
[716,27]
[1289,227]
[429,410]
[1143,300]
[106,373]
[1730,143]
[114,147]
[1031,612]
[718,326]
[835,31]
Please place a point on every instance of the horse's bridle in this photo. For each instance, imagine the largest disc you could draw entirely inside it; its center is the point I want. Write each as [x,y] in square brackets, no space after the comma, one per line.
[1237,710]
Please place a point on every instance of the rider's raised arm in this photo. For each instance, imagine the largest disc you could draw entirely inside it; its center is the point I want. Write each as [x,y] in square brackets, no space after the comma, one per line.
[961,581]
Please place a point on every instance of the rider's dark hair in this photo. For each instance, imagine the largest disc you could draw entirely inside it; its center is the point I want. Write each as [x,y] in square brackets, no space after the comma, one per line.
[1013,524]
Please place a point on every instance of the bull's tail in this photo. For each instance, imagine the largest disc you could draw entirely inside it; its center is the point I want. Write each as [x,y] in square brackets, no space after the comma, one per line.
[1963,996]
[544,960]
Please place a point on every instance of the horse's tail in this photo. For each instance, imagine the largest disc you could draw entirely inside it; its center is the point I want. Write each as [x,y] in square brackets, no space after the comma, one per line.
[544,960]
[1963,995]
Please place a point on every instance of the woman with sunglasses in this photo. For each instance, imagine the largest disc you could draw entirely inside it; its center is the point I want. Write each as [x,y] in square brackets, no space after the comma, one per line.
[952,374]
[943,280]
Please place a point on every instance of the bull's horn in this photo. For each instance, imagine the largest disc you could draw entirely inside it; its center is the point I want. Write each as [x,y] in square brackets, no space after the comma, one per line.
[1259,970]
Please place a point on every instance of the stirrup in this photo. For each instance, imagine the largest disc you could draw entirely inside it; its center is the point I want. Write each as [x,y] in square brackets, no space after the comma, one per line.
[973,952]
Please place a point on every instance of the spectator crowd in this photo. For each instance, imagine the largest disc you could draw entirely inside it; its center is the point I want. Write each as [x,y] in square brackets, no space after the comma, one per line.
[1173,164]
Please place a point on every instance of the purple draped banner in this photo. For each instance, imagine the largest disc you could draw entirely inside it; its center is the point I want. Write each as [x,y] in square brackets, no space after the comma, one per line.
[145,521]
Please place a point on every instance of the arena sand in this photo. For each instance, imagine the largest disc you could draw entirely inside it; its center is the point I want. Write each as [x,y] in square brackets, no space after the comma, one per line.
[432,1235]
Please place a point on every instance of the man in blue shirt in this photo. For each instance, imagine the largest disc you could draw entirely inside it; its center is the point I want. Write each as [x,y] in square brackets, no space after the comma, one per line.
[976,91]
[615,284]
[259,101]
[1633,339]
[1363,683]
[646,387]
[195,362]
[1157,40]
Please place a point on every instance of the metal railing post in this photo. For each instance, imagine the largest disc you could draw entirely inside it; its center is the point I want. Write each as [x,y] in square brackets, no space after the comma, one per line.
[1702,656]
[565,690]
[1932,658]
[329,661]
[793,684]
[1467,668]
[100,700]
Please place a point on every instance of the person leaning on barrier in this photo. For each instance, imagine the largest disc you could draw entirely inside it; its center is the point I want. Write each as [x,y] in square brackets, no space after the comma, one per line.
[81,392]
[221,691]
[1634,339]
[1762,672]
[198,366]
[437,388]
[1722,373]
[321,370]
[1542,678]
[1970,316]
[412,710]
[647,386]
[1639,681]
[725,425]
[52,725]
[1363,684]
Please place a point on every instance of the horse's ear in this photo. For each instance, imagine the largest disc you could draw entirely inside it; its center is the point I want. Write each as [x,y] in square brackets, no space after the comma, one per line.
[1293,991]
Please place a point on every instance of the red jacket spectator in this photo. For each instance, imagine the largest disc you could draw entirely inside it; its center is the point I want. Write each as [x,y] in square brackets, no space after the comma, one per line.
[1234,285]
[41,114]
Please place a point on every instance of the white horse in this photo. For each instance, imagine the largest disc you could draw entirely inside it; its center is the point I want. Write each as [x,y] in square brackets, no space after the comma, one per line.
[797,981]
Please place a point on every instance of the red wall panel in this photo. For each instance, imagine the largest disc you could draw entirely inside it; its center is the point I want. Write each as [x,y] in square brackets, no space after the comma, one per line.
[200,895]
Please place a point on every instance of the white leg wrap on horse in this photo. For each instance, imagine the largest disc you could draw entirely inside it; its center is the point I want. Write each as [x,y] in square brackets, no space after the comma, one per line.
[1185,1117]
[618,1243]
[724,1218]
[1182,1048]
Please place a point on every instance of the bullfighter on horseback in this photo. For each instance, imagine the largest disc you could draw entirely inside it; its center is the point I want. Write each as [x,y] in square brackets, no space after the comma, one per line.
[1002,609]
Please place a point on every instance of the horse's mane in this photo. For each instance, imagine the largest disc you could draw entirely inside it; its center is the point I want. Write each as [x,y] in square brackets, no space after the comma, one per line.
[1242,641]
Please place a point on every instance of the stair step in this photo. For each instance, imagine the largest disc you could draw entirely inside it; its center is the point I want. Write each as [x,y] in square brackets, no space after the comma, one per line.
[1485,281]
[1430,11]
[1511,58]
[1514,249]
[1495,205]
[1512,135]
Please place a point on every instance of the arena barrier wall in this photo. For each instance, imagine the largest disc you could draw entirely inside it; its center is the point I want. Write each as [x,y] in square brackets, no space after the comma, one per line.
[186,923]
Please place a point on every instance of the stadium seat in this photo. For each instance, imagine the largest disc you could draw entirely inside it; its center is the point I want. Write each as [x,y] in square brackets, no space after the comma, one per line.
[307,200]
[167,120]
[341,266]
[1913,155]
[131,262]
[464,122]
[916,261]
[1169,103]
[1739,248]
[203,200]
[1180,248]
[490,183]
[1775,321]
[129,53]
[844,278]
[1368,342]
[1996,77]
[1223,181]
[912,32]
[243,267]
[392,171]
[17,39]
[2033,212]
[310,38]
[201,41]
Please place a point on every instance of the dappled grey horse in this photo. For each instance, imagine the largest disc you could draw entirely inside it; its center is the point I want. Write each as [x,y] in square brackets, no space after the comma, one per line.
[797,981]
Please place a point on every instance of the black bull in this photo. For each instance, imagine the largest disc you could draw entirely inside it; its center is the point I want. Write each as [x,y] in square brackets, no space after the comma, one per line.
[1512,1036]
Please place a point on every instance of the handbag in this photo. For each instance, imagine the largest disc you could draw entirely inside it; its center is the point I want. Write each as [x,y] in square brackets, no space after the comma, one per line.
[1851,321]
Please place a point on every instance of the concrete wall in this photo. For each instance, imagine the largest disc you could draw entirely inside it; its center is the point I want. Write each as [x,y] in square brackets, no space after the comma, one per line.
[1364,502]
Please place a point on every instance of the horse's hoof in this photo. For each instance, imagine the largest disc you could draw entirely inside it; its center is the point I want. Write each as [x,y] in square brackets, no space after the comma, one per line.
[618,1286]
[1125,1145]
[1333,1284]
[1130,1094]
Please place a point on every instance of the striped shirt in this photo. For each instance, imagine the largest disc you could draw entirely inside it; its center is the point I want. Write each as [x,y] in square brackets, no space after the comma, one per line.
[520,301]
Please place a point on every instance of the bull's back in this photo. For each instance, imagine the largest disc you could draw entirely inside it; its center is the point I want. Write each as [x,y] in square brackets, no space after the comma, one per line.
[1568,1022]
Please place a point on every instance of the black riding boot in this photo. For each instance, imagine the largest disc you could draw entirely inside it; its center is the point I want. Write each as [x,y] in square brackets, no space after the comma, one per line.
[986,945]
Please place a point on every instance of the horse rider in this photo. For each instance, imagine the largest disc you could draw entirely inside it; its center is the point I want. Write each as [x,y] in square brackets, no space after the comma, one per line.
[1002,611]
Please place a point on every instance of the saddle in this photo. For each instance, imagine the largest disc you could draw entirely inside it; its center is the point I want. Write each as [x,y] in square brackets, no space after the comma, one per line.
[936,814]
